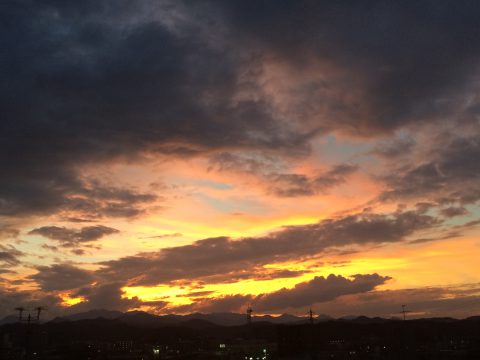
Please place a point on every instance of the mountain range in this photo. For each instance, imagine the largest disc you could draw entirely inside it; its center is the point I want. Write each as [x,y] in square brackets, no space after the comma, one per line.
[200,320]
[141,318]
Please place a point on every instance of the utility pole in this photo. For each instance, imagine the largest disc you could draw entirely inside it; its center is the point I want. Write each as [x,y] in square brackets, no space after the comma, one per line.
[249,314]
[404,312]
[310,316]
[310,334]
[28,320]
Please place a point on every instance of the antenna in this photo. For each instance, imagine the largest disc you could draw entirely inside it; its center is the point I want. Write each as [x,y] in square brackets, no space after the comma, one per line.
[310,316]
[249,314]
[404,312]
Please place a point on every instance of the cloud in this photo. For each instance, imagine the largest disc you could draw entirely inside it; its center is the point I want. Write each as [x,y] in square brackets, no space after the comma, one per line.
[11,299]
[292,185]
[104,296]
[451,301]
[442,236]
[74,237]
[175,85]
[8,232]
[319,289]
[84,284]
[227,303]
[196,294]
[95,200]
[60,191]
[9,256]
[153,90]
[363,70]
[394,148]
[453,211]
[222,255]
[449,174]
[58,277]
[163,236]
[254,273]
[339,296]
[272,171]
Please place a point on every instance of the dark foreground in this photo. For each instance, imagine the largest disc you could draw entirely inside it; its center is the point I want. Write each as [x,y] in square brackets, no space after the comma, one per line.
[357,339]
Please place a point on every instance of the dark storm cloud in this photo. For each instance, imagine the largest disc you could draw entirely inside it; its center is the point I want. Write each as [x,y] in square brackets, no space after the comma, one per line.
[401,62]
[89,83]
[74,237]
[319,289]
[61,277]
[450,174]
[222,255]
[97,82]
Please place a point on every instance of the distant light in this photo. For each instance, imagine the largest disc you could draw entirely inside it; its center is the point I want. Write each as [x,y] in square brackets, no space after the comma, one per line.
[222,346]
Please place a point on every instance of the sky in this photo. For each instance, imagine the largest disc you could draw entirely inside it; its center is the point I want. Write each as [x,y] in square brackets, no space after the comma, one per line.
[186,156]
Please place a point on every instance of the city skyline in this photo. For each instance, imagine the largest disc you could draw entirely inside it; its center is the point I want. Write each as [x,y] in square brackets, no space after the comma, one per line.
[179,157]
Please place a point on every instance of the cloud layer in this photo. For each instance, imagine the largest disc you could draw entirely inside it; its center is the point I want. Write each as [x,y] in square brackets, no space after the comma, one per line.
[73,237]
[292,110]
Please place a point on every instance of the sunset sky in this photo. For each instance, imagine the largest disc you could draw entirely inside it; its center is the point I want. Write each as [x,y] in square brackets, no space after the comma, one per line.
[200,156]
